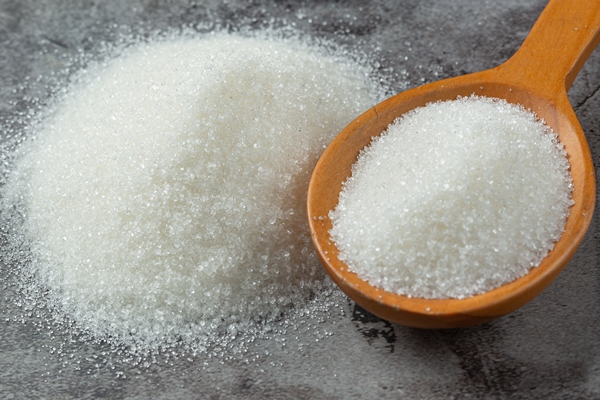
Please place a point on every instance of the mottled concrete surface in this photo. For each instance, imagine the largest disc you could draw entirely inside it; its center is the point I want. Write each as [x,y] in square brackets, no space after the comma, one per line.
[548,349]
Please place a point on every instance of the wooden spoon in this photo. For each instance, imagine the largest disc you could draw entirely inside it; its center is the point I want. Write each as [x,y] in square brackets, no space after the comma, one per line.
[538,77]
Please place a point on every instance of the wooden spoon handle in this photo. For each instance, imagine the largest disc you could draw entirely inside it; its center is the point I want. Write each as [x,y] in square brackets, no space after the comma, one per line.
[558,45]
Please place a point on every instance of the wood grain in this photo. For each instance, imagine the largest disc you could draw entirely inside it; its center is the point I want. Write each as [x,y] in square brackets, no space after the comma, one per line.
[537,77]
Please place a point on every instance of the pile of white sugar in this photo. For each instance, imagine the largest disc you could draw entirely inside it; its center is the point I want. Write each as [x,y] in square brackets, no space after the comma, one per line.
[163,197]
[454,199]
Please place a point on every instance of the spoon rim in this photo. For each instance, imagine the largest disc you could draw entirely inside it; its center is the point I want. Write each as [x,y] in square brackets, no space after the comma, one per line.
[451,312]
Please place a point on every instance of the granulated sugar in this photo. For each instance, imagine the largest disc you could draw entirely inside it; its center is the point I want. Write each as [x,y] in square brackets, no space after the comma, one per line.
[163,198]
[454,199]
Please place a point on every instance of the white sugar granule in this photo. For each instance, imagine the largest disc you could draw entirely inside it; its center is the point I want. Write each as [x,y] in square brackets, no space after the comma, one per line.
[164,197]
[454,199]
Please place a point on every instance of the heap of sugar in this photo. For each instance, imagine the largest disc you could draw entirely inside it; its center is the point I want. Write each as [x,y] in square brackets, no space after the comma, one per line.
[163,198]
[454,199]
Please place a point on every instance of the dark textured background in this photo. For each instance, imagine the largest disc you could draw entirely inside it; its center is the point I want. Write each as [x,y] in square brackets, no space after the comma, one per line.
[548,349]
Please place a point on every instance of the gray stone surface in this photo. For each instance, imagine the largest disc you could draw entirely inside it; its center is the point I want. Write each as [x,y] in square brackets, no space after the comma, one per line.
[547,349]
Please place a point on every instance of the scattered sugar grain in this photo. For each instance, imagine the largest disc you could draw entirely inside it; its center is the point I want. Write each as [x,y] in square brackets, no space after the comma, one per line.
[162,198]
[454,199]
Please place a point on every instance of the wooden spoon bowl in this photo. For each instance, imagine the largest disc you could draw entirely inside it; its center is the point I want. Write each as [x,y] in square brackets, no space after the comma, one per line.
[537,77]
